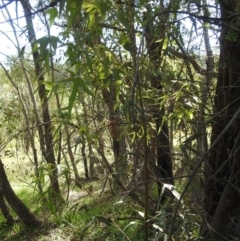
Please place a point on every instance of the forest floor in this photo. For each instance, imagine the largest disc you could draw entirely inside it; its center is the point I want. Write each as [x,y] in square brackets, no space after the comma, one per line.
[88,213]
[91,213]
[69,224]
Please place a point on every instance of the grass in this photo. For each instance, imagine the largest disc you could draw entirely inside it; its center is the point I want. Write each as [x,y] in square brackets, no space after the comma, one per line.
[94,218]
[87,219]
[104,218]
[91,218]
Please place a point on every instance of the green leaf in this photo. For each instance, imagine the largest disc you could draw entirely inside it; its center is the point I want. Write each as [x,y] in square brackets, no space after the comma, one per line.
[72,98]
[61,6]
[89,7]
[141,214]
[48,85]
[84,87]
[45,45]
[128,47]
[53,14]
[106,65]
[89,62]
[131,223]
[89,224]
[77,82]
[164,42]
[53,40]
[35,47]
[123,20]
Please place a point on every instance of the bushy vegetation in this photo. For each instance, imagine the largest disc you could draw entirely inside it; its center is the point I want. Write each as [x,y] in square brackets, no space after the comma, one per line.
[120,122]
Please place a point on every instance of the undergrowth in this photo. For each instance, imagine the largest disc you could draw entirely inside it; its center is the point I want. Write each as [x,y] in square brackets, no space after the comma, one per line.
[96,218]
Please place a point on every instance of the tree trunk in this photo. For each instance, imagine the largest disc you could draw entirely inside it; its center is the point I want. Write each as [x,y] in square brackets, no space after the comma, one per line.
[88,139]
[29,131]
[162,142]
[17,205]
[118,139]
[5,210]
[202,143]
[222,183]
[48,137]
[83,150]
[71,156]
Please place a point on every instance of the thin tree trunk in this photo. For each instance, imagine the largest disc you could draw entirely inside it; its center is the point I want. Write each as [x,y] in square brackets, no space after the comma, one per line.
[163,146]
[202,143]
[99,130]
[83,150]
[118,139]
[89,144]
[48,137]
[29,129]
[71,156]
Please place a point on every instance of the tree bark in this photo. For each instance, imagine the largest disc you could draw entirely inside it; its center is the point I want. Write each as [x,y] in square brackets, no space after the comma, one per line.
[5,210]
[118,139]
[88,138]
[17,205]
[222,182]
[48,137]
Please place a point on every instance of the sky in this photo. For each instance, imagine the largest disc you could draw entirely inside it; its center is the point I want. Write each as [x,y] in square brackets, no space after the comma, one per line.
[7,48]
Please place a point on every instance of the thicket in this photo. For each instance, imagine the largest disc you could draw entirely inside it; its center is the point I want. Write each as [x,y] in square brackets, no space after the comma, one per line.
[121,121]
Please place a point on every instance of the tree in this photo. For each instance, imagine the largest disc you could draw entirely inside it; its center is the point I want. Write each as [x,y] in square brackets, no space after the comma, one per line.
[135,62]
[222,195]
[46,135]
[5,210]
[17,205]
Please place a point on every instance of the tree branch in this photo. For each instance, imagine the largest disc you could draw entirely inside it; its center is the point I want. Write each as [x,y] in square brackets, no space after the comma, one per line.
[188,58]
[6,4]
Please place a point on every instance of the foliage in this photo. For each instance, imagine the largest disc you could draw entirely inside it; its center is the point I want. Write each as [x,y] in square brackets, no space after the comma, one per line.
[121,93]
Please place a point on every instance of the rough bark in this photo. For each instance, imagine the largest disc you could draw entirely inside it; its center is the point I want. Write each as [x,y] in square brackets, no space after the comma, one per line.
[222,184]
[16,204]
